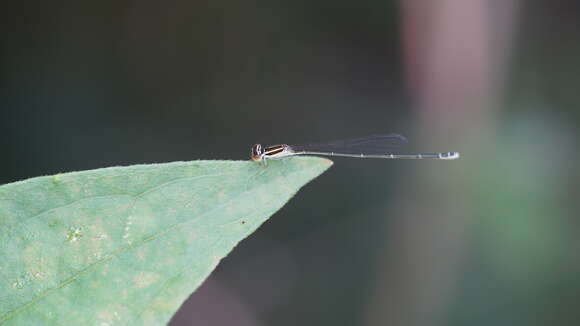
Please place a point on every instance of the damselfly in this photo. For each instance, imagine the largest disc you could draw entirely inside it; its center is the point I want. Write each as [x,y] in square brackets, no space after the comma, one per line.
[377,146]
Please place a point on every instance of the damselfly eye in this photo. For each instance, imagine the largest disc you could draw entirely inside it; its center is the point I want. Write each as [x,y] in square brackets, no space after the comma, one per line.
[257,152]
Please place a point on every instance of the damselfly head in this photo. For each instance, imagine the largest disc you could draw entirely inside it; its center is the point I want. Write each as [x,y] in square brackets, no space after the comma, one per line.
[257,153]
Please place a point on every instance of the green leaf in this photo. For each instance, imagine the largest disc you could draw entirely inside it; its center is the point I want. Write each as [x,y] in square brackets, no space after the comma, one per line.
[127,245]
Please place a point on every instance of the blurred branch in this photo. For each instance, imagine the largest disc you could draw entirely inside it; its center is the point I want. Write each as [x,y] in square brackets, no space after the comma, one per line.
[454,63]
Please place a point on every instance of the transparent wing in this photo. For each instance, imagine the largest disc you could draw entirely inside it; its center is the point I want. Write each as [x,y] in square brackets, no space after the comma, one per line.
[375,144]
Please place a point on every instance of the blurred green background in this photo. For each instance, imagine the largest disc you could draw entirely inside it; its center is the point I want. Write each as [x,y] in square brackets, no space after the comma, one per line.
[490,239]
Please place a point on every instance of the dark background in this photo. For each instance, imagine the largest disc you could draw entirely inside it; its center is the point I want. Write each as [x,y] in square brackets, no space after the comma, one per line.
[490,239]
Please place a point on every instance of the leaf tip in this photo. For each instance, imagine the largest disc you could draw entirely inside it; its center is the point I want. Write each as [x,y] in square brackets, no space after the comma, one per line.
[318,164]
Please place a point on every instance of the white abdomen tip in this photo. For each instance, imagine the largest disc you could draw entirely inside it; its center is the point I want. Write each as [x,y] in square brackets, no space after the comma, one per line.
[449,156]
